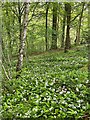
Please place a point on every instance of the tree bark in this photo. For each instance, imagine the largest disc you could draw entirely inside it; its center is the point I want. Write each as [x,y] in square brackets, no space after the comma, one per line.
[54,27]
[89,44]
[79,26]
[8,30]
[68,15]
[63,30]
[46,32]
[22,38]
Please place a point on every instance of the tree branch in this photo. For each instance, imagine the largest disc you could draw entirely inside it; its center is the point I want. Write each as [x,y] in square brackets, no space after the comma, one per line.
[7,76]
[77,15]
[33,12]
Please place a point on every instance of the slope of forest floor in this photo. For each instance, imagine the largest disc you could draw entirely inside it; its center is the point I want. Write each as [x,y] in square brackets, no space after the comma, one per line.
[52,85]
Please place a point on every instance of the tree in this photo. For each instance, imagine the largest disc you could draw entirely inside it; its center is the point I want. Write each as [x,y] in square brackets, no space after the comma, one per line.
[8,26]
[46,32]
[89,42]
[63,30]
[22,36]
[68,16]
[8,29]
[79,25]
[54,26]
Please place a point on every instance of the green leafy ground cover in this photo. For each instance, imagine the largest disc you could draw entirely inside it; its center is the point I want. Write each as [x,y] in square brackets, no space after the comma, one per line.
[52,85]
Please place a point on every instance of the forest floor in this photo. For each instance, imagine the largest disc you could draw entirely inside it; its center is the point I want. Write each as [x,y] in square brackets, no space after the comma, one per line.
[52,85]
[60,50]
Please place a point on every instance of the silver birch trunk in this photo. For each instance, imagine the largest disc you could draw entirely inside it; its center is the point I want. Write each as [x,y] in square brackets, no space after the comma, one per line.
[23,37]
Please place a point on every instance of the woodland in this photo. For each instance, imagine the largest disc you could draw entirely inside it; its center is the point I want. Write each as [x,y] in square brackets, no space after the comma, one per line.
[45,61]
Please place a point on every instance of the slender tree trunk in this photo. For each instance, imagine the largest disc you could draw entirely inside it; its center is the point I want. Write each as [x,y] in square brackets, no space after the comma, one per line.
[68,15]
[63,31]
[23,30]
[54,27]
[89,43]
[79,26]
[8,31]
[46,32]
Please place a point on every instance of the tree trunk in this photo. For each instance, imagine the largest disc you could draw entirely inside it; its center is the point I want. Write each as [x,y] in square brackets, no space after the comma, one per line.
[89,44]
[46,32]
[79,26]
[63,31]
[22,38]
[54,27]
[68,15]
[8,31]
